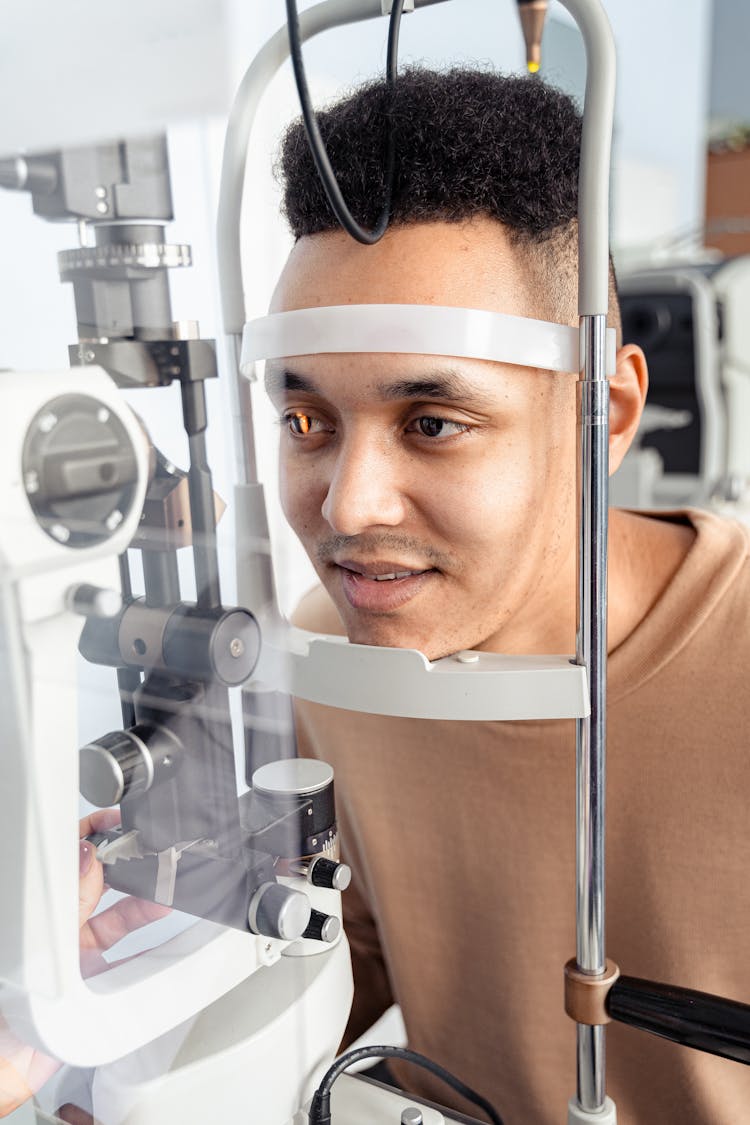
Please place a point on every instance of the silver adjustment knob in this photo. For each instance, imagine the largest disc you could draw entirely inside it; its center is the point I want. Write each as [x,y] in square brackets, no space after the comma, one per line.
[125,763]
[277,911]
[412,1116]
[114,766]
[93,601]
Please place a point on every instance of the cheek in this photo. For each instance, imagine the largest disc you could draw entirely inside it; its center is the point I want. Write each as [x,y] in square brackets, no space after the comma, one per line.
[295,494]
[515,502]
[494,496]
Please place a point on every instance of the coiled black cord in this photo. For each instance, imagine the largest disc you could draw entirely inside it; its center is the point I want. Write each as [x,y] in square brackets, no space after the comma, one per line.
[317,147]
[320,1107]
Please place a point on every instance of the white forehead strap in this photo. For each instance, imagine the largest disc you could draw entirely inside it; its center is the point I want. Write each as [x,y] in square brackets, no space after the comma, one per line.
[420,330]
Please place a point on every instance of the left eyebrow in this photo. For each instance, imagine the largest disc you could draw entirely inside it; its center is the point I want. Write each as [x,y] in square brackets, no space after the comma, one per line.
[447,386]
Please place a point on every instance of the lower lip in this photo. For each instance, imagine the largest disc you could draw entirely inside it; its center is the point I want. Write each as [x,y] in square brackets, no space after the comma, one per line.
[381,597]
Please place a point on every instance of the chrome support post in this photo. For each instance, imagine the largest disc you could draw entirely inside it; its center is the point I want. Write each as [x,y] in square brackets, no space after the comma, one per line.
[591,651]
[590,1067]
[593,481]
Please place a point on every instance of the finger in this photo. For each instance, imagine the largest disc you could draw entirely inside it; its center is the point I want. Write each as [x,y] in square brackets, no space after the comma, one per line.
[98,821]
[90,882]
[91,875]
[116,922]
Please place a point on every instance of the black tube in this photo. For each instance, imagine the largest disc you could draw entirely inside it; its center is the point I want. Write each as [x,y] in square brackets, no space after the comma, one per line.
[320,1106]
[694,1019]
[315,140]
[161,578]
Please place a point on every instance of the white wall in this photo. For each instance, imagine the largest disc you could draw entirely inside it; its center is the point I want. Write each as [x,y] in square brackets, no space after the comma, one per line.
[664,70]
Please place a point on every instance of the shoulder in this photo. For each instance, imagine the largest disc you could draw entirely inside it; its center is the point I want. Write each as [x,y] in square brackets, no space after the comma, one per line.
[317,613]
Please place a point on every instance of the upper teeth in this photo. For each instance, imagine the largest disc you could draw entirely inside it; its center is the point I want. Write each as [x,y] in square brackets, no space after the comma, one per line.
[398,574]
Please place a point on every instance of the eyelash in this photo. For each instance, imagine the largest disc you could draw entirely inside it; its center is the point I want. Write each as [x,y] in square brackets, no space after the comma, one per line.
[301,416]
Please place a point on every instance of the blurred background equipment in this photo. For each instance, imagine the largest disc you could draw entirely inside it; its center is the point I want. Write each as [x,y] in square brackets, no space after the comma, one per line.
[691,446]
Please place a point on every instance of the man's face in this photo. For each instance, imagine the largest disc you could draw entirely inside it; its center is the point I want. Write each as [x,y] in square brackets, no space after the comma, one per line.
[435,496]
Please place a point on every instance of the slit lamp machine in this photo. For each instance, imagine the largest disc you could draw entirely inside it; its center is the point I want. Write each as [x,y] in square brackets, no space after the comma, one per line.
[262,974]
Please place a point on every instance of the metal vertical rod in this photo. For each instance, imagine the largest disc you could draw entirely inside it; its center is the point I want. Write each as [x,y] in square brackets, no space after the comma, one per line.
[241,413]
[200,488]
[128,679]
[591,651]
[590,1068]
[161,578]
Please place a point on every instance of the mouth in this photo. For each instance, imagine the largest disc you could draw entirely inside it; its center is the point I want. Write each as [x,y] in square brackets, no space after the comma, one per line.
[381,587]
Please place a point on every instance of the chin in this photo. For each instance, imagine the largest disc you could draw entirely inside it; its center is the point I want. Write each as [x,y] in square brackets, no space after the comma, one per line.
[390,636]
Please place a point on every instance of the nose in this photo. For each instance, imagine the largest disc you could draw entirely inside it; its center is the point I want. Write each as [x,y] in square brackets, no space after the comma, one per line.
[366,488]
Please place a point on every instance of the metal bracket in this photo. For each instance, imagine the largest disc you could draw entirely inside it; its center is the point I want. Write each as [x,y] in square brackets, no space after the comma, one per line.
[586,993]
[122,846]
[386,6]
[166,872]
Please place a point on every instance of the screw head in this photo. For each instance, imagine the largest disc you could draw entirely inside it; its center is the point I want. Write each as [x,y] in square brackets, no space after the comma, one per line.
[236,647]
[60,532]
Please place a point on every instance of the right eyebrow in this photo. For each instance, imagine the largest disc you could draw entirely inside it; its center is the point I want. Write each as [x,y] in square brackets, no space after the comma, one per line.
[278,380]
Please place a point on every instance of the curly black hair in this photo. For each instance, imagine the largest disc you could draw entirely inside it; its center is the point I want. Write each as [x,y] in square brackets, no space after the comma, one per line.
[469,142]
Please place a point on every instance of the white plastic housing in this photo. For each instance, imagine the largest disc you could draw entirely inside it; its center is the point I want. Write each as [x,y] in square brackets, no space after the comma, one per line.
[259,1051]
[44,997]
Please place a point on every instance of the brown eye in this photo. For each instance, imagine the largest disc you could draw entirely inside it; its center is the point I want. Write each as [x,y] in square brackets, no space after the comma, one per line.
[431,427]
[299,423]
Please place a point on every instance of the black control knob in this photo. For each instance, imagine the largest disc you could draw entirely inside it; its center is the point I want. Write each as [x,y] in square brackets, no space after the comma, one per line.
[277,911]
[322,927]
[327,873]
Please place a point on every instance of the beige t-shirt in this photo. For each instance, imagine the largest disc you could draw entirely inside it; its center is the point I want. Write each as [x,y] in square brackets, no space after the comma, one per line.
[461,836]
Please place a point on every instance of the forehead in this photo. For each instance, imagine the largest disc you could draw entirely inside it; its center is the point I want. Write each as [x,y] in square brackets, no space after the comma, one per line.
[469,264]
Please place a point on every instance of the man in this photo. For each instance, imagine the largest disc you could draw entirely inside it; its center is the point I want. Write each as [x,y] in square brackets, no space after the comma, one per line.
[436,499]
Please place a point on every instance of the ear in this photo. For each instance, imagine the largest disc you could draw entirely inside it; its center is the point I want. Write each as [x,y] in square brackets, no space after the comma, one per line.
[627,396]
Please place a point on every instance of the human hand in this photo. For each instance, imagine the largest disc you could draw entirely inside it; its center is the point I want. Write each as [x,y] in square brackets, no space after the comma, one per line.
[24,1069]
[100,932]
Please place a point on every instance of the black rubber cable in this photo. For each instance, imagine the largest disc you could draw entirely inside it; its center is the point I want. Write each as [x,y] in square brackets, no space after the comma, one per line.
[320,1107]
[315,140]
